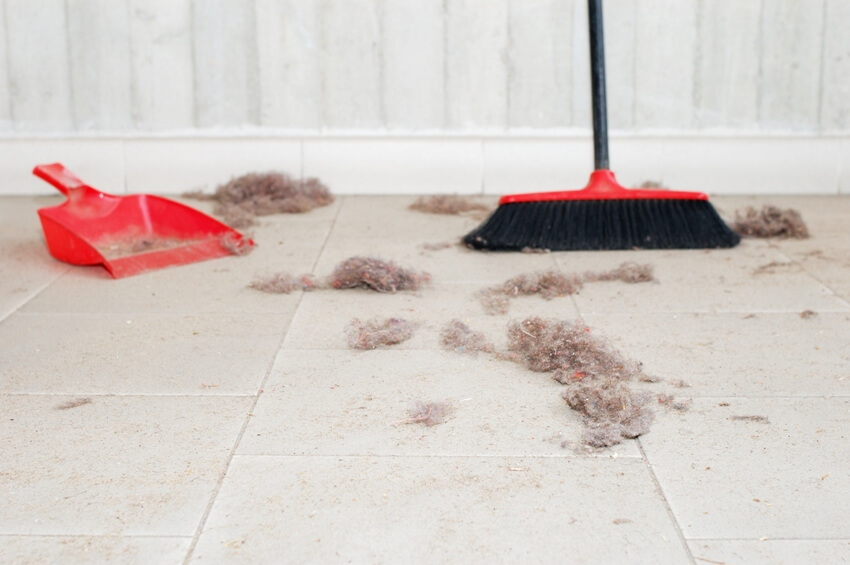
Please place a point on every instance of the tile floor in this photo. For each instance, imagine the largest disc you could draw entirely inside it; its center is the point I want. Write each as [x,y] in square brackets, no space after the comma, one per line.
[181,417]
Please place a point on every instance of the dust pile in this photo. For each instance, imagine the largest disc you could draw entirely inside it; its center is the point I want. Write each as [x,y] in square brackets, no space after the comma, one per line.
[376,274]
[595,374]
[448,204]
[770,221]
[355,272]
[237,244]
[429,414]
[283,283]
[550,284]
[376,333]
[243,198]
[458,337]
[130,244]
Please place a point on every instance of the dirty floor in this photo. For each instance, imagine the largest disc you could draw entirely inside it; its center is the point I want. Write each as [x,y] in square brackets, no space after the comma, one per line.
[182,417]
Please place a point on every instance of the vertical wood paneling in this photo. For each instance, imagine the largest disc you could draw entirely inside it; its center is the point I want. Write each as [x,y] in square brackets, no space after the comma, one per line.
[161,55]
[835,102]
[413,64]
[225,63]
[664,65]
[727,76]
[351,64]
[5,99]
[289,52]
[99,50]
[792,36]
[39,75]
[619,62]
[540,57]
[476,65]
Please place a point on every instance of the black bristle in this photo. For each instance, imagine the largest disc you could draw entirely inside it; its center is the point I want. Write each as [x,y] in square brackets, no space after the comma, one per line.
[587,225]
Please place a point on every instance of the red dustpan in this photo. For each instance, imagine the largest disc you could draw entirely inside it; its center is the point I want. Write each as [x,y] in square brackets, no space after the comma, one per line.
[129,235]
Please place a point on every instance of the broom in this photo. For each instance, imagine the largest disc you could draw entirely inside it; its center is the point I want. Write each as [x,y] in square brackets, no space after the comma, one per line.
[604,214]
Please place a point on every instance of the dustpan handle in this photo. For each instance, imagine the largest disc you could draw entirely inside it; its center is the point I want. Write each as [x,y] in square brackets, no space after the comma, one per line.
[60,177]
[597,85]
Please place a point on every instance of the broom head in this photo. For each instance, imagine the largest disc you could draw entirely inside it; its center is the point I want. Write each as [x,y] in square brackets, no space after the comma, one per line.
[603,215]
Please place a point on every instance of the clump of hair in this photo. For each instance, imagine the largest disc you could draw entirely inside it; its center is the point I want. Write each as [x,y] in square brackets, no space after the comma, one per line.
[376,274]
[670,401]
[429,414]
[628,272]
[567,348]
[283,283]
[262,194]
[770,221]
[447,204]
[806,314]
[457,336]
[377,333]
[550,284]
[595,375]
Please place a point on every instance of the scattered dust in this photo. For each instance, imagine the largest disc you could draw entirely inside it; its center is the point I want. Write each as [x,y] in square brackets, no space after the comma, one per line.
[761,419]
[283,283]
[773,267]
[807,314]
[449,204]
[376,274]
[430,414]
[262,194]
[237,244]
[457,336]
[670,401]
[376,333]
[438,246]
[74,403]
[550,284]
[679,383]
[770,221]
[132,244]
[621,521]
[653,185]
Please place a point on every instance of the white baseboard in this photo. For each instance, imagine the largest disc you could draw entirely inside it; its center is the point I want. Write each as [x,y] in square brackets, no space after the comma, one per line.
[489,163]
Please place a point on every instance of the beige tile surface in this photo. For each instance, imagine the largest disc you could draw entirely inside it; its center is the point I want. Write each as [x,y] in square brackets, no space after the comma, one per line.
[726,475]
[438,509]
[114,465]
[137,413]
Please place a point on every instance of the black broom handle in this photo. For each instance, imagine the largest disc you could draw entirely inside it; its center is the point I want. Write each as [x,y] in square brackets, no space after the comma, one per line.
[597,84]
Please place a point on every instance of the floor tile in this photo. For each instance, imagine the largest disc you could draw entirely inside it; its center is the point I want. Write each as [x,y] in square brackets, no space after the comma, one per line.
[736,354]
[438,509]
[22,550]
[143,465]
[728,473]
[354,403]
[138,353]
[743,279]
[773,552]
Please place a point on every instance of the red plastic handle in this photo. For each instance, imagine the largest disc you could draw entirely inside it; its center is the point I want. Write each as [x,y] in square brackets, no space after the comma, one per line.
[60,177]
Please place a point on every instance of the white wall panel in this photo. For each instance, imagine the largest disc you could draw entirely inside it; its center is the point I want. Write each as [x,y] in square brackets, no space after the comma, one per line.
[664,64]
[619,62]
[581,66]
[351,64]
[727,72]
[792,45]
[5,99]
[99,52]
[289,51]
[161,57]
[540,57]
[476,63]
[413,64]
[39,73]
[835,103]
[226,73]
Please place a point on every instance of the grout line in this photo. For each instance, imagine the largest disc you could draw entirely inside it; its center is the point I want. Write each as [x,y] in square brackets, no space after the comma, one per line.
[679,532]
[101,536]
[208,510]
[33,295]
